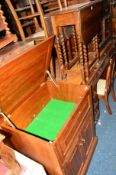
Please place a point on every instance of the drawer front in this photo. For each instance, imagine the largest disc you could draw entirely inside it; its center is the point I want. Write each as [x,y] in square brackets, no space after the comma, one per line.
[63,144]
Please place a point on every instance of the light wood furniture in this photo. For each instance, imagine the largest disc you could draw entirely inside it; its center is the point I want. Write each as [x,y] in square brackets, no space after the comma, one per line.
[26,16]
[24,92]
[26,13]
[6,36]
[104,86]
[45,8]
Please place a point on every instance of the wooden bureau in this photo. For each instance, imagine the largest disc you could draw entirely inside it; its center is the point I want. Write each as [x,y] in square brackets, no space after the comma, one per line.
[24,93]
[85,18]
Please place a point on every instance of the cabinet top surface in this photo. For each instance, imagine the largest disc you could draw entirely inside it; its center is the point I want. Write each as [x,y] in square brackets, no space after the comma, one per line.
[10,52]
[76,7]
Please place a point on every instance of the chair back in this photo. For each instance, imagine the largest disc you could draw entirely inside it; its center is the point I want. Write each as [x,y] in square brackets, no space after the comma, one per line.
[110,75]
[113,68]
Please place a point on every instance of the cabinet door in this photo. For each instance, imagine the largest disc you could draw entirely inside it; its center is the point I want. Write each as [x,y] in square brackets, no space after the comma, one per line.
[74,162]
[87,133]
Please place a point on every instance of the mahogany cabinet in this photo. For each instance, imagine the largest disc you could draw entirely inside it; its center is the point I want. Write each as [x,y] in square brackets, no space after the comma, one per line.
[24,92]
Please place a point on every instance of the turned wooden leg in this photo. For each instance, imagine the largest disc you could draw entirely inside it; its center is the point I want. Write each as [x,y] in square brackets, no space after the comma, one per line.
[113,93]
[107,105]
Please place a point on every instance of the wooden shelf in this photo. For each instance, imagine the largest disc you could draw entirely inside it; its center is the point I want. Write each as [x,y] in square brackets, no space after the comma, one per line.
[46,1]
[27,23]
[22,9]
[51,9]
[29,16]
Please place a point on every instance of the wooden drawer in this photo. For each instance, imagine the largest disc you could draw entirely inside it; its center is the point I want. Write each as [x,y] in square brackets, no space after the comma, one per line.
[64,142]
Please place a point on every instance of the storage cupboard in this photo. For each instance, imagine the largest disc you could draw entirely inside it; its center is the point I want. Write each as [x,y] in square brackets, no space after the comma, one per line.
[25,92]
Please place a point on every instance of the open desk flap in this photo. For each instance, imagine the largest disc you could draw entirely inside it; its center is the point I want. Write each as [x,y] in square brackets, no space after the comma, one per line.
[23,75]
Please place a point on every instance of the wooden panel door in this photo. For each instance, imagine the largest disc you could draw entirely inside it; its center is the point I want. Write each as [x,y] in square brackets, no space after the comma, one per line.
[87,133]
[74,162]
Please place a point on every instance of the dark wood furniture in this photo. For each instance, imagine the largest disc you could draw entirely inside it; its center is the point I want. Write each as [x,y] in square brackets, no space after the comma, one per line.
[27,16]
[91,62]
[24,92]
[113,15]
[84,35]
[105,32]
